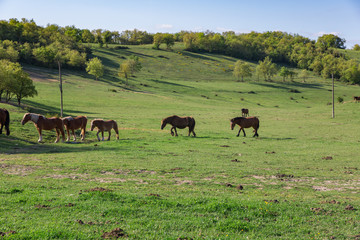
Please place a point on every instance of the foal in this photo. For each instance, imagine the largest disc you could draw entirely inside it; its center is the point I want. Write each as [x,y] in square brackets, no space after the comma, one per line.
[104,126]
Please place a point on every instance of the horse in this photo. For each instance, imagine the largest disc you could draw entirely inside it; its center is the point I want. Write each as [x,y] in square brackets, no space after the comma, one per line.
[43,123]
[179,122]
[72,124]
[356,99]
[245,123]
[4,120]
[244,112]
[104,126]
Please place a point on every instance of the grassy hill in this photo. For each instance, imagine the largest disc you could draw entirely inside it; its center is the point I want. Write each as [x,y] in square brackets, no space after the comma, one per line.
[299,179]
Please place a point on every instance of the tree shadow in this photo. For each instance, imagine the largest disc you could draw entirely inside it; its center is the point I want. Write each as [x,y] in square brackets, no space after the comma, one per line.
[43,109]
[169,83]
[289,85]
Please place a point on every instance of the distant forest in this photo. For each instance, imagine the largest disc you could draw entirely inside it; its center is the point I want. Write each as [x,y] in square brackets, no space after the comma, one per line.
[25,41]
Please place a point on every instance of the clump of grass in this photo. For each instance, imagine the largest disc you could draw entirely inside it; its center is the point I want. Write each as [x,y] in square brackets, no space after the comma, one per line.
[340,99]
[294,91]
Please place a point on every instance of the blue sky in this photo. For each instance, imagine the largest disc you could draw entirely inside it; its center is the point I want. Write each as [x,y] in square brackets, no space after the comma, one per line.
[309,18]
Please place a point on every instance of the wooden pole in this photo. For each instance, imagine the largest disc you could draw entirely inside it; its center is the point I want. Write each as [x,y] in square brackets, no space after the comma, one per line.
[61,91]
[333,96]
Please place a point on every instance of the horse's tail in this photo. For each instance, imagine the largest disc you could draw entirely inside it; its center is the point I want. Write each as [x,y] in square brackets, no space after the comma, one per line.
[192,124]
[115,126]
[7,122]
[257,124]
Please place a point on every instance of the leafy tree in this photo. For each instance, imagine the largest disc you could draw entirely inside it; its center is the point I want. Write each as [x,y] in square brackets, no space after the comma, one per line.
[95,67]
[304,74]
[106,35]
[158,39]
[168,39]
[267,68]
[356,47]
[284,73]
[242,69]
[14,81]
[330,41]
[87,36]
[129,67]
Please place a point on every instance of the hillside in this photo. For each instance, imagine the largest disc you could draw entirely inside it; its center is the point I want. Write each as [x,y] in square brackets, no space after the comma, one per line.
[302,170]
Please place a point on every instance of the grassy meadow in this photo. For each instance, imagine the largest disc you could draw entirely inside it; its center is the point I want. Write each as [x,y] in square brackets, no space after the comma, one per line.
[299,180]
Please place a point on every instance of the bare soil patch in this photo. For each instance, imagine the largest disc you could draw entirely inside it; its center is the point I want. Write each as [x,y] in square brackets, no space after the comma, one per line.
[116,233]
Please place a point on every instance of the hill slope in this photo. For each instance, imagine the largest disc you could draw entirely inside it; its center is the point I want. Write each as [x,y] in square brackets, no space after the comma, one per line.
[155,186]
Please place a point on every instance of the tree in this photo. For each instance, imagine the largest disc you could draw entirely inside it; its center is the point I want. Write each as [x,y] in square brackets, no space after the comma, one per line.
[95,67]
[169,40]
[242,69]
[284,72]
[304,74]
[129,67]
[14,81]
[267,68]
[330,41]
[356,47]
[157,40]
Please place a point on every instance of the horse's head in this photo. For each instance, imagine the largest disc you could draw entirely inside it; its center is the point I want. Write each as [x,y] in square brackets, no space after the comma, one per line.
[163,123]
[26,118]
[232,124]
[92,125]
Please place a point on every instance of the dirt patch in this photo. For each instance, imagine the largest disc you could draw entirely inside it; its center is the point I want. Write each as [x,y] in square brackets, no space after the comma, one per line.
[39,206]
[282,176]
[69,205]
[2,234]
[153,195]
[116,233]
[19,170]
[330,202]
[98,189]
[270,152]
[176,169]
[37,77]
[188,182]
[226,146]
[350,208]
[327,158]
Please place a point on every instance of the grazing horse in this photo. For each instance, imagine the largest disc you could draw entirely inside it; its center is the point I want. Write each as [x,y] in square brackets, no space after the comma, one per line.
[43,123]
[72,124]
[244,112]
[104,126]
[4,120]
[246,123]
[356,99]
[179,122]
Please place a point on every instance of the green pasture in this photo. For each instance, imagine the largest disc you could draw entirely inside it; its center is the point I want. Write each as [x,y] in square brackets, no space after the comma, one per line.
[298,180]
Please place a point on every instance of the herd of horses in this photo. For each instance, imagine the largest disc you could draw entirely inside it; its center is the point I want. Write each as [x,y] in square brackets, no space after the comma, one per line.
[73,123]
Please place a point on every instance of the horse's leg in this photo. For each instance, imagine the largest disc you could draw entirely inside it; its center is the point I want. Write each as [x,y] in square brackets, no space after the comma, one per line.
[97,135]
[57,135]
[171,131]
[68,134]
[244,132]
[2,125]
[175,132]
[239,132]
[83,134]
[117,133]
[40,136]
[73,132]
[102,134]
[109,135]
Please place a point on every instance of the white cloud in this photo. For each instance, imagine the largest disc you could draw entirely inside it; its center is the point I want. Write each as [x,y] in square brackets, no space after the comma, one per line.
[319,34]
[164,26]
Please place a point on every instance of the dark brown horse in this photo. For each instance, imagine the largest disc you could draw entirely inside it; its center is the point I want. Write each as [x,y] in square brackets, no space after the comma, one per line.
[179,122]
[43,123]
[4,120]
[245,123]
[244,112]
[73,123]
[104,126]
[356,99]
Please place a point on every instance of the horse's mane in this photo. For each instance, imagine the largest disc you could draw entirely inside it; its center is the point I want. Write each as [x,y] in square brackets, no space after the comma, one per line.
[237,118]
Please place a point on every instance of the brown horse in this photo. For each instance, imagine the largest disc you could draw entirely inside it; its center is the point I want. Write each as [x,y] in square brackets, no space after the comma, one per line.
[244,112]
[104,126]
[72,124]
[4,120]
[43,123]
[179,122]
[356,99]
[245,123]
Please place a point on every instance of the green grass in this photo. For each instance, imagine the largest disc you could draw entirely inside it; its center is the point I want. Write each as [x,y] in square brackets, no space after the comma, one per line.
[155,186]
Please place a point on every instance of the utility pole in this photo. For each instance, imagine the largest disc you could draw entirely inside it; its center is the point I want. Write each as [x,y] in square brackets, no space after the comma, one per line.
[333,96]
[61,90]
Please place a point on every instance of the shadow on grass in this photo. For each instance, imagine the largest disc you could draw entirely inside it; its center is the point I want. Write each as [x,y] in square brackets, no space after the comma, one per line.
[169,83]
[44,109]
[14,145]
[289,85]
